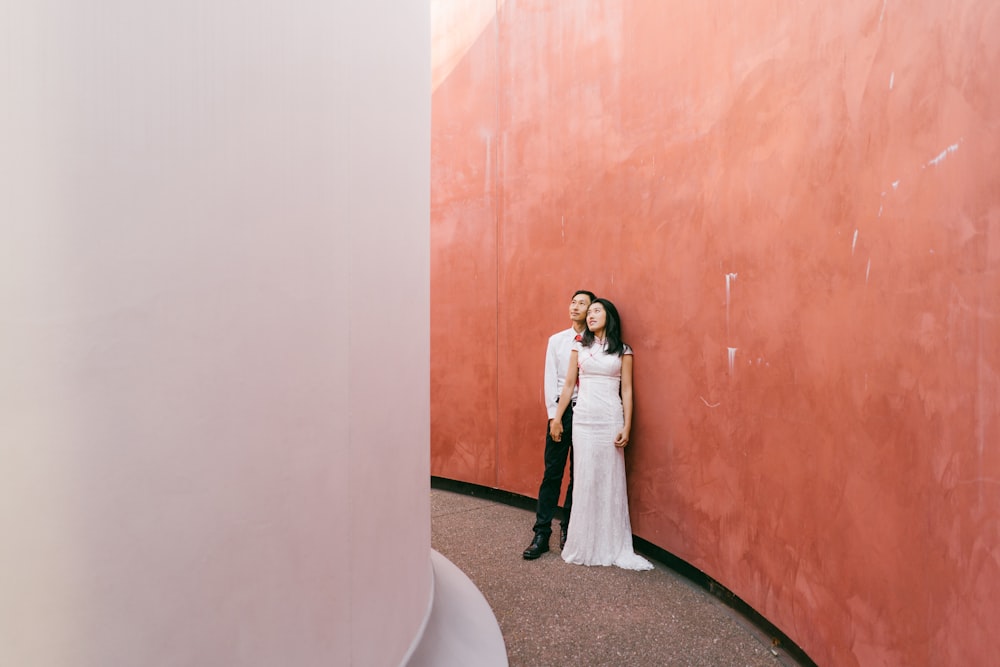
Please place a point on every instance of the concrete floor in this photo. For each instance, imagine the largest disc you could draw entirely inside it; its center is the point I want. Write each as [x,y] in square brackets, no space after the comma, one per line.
[553,614]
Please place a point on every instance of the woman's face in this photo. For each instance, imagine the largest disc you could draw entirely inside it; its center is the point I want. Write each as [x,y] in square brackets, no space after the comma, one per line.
[596,317]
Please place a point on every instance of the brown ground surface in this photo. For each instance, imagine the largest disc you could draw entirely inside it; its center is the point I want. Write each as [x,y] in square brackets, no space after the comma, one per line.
[554,614]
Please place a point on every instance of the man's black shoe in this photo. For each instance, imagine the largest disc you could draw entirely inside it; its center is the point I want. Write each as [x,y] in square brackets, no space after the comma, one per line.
[562,535]
[538,546]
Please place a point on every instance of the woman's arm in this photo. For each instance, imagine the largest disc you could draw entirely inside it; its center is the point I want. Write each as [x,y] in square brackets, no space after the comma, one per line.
[555,424]
[622,438]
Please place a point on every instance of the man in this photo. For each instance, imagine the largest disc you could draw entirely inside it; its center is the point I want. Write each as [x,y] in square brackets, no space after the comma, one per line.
[556,365]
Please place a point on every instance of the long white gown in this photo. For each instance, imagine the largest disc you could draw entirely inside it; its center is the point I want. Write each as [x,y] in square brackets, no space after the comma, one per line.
[600,532]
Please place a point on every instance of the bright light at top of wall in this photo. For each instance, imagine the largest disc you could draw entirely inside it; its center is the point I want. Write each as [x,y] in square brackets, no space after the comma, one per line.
[455,27]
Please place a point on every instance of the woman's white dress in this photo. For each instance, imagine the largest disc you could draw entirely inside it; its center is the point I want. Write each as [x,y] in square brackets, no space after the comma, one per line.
[600,532]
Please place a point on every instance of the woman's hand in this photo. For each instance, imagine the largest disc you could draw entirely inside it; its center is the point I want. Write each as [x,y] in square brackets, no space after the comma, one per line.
[556,429]
[622,439]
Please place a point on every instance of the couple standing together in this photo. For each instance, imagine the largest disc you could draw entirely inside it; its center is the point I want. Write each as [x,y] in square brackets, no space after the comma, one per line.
[588,395]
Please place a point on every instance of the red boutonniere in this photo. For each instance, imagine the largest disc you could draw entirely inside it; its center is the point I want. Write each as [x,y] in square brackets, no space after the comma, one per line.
[578,338]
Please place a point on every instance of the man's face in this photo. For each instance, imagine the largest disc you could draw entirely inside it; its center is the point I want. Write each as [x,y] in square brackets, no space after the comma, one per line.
[578,307]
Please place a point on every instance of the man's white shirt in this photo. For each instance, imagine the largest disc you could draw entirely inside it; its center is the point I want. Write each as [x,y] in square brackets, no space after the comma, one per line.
[556,365]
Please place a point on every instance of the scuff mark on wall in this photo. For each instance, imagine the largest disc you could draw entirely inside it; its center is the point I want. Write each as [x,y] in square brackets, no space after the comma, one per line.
[730,278]
[941,156]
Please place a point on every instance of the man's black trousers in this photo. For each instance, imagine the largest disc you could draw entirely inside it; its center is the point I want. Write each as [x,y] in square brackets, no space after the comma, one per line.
[555,463]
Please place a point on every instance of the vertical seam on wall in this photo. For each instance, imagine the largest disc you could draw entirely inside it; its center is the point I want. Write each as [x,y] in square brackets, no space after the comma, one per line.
[496,231]
[351,324]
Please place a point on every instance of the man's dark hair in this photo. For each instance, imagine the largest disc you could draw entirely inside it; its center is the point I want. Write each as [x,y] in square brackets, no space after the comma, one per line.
[590,295]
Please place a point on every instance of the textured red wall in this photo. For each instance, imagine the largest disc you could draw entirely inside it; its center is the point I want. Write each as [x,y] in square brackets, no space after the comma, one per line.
[796,207]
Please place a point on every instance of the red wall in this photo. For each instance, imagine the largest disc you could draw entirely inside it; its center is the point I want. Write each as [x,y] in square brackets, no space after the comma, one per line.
[815,185]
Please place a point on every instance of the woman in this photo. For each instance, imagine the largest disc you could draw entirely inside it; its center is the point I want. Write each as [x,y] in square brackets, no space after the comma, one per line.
[601,533]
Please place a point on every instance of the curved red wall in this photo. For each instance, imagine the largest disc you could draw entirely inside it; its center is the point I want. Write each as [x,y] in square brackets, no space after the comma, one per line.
[796,208]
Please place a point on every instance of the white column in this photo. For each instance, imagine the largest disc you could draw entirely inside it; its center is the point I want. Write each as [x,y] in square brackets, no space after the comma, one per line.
[213,332]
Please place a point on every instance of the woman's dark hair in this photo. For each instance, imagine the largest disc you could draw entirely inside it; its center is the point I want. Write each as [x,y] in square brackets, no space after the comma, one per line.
[612,330]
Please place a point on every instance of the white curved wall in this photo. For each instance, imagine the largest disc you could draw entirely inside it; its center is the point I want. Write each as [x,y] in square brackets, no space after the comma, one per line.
[213,333]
